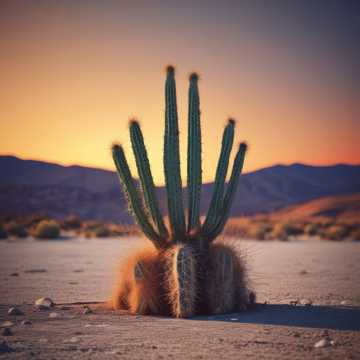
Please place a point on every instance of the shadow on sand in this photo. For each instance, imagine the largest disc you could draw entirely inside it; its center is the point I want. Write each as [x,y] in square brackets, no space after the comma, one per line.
[322,317]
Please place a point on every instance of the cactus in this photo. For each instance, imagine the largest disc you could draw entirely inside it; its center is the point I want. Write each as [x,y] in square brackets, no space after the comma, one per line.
[185,273]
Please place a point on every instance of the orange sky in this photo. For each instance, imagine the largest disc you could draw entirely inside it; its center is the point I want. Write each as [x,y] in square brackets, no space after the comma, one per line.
[73,73]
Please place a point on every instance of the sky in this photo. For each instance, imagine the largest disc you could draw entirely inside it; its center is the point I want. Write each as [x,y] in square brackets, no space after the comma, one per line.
[74,72]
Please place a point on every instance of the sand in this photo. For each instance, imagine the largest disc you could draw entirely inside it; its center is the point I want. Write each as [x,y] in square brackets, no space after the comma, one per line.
[284,275]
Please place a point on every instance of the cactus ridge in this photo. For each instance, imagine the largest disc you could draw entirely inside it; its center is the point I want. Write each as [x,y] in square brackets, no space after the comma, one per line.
[147,182]
[172,160]
[132,195]
[194,155]
[181,229]
[221,171]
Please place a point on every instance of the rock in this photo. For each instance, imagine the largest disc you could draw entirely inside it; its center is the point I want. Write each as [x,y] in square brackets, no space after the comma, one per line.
[15,311]
[345,302]
[306,302]
[7,324]
[14,274]
[44,303]
[54,315]
[26,322]
[6,332]
[303,272]
[78,270]
[5,348]
[322,343]
[87,310]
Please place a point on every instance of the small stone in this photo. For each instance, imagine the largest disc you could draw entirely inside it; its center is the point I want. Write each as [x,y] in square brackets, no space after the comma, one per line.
[322,343]
[87,310]
[78,270]
[26,322]
[44,303]
[306,302]
[345,302]
[15,311]
[54,315]
[72,340]
[296,334]
[64,307]
[6,332]
[303,272]
[14,274]
[7,324]
[5,348]
[154,347]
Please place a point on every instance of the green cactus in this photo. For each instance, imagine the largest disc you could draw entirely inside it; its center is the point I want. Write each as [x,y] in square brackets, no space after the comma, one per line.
[184,279]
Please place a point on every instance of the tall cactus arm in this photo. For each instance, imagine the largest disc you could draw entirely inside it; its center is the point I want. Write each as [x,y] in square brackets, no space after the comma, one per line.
[172,159]
[194,155]
[224,212]
[147,182]
[222,167]
[132,195]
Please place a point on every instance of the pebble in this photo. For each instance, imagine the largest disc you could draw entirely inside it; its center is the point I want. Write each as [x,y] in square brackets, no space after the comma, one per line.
[26,322]
[7,324]
[14,274]
[15,311]
[44,303]
[87,310]
[306,302]
[64,307]
[345,302]
[5,348]
[54,315]
[303,272]
[322,343]
[6,332]
[72,340]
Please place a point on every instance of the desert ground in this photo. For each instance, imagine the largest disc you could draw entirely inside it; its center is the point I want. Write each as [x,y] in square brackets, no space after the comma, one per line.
[308,305]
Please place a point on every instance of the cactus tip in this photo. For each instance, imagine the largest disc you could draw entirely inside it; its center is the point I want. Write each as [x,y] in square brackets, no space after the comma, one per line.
[243,146]
[115,147]
[194,76]
[133,121]
[231,121]
[170,69]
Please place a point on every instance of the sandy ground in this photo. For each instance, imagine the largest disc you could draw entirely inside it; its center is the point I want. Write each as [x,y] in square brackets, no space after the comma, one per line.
[283,274]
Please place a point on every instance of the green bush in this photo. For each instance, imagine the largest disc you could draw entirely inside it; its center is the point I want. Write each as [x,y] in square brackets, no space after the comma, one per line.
[102,231]
[72,222]
[17,230]
[283,231]
[313,229]
[336,232]
[47,229]
[260,230]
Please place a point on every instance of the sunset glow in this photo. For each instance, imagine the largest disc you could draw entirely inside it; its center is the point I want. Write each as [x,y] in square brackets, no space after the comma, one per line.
[73,73]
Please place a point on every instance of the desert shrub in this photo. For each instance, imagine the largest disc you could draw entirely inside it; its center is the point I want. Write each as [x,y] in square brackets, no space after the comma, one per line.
[260,230]
[3,233]
[72,222]
[47,229]
[313,229]
[336,232]
[17,230]
[102,231]
[283,231]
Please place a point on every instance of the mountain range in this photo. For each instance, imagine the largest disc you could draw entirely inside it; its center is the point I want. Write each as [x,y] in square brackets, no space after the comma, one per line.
[28,187]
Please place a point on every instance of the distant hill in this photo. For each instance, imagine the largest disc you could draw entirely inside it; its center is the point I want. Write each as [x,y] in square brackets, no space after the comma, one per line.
[28,186]
[343,208]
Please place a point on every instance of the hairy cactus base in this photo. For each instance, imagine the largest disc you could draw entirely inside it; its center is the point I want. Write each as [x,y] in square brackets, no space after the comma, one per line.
[182,282]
